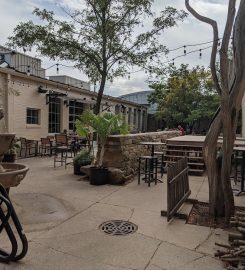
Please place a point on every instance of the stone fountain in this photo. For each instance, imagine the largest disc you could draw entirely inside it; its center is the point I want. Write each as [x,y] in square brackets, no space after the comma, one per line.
[11,174]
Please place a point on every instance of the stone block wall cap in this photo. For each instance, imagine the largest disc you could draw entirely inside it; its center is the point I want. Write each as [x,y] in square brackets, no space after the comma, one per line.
[157,133]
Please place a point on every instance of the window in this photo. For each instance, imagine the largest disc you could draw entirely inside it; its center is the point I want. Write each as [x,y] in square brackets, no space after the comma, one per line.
[32,116]
[54,115]
[75,110]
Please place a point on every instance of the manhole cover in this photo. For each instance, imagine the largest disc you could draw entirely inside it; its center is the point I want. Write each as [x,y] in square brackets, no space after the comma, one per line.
[118,227]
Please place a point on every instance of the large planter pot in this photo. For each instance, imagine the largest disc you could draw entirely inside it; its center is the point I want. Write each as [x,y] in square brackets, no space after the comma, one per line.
[77,166]
[98,176]
[12,176]
[10,158]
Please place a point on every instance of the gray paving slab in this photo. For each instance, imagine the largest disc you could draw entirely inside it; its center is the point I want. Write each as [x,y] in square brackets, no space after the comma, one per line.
[152,224]
[41,257]
[169,256]
[208,246]
[140,196]
[132,251]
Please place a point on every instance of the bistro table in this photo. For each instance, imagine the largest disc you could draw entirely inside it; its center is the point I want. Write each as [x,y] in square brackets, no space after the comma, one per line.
[153,144]
[242,150]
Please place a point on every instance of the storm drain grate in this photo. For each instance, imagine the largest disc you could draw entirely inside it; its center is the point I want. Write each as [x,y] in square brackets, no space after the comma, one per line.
[118,227]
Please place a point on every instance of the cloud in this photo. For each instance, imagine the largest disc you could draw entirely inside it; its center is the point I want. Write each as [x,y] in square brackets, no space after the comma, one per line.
[122,86]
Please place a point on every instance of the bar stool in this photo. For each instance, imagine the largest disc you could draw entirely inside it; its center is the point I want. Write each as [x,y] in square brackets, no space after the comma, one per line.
[160,163]
[148,168]
[45,147]
[61,150]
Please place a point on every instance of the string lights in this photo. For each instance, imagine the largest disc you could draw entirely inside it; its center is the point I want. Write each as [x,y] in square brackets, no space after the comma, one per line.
[172,61]
[149,70]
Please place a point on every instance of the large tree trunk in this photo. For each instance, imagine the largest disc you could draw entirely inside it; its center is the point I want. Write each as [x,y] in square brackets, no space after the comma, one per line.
[100,95]
[218,157]
[213,161]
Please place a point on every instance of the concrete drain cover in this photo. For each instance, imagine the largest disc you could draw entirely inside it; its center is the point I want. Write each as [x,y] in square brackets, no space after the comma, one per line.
[118,227]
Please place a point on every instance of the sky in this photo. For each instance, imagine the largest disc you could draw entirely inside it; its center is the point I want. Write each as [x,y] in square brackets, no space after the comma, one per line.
[191,31]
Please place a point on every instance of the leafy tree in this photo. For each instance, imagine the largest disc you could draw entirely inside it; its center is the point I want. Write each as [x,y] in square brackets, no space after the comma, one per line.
[103,39]
[186,96]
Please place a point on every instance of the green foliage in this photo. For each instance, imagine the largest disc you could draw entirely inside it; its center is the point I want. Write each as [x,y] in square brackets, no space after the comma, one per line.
[103,39]
[14,147]
[83,130]
[83,157]
[186,96]
[104,125]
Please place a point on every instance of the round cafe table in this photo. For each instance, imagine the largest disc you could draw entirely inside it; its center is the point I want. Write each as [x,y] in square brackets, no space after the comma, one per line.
[152,144]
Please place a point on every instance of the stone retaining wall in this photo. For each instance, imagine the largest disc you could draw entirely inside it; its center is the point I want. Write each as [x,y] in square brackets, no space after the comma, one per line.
[122,151]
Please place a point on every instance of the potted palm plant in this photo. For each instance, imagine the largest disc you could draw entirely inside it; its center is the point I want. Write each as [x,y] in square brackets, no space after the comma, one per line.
[104,125]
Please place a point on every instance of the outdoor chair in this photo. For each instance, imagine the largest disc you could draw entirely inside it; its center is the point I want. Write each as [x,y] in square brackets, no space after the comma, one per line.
[46,147]
[148,168]
[62,148]
[28,147]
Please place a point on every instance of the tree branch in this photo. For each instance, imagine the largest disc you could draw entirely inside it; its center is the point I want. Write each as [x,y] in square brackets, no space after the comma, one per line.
[215,42]
[224,47]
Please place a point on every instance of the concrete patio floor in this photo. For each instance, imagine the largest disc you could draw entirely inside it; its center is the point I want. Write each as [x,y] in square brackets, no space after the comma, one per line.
[61,217]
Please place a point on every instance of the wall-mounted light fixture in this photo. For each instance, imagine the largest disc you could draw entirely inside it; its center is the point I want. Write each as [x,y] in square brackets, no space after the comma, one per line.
[54,95]
[41,90]
[66,103]
[123,108]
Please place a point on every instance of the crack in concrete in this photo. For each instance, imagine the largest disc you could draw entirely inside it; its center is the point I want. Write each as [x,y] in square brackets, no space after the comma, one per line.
[159,244]
[114,191]
[136,208]
[194,260]
[132,213]
[205,240]
[164,241]
[200,187]
[157,266]
[82,258]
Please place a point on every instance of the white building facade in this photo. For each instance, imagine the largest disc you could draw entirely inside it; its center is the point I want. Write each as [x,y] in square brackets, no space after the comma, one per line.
[35,107]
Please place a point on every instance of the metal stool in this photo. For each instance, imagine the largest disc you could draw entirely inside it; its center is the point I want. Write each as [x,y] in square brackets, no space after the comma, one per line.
[149,169]
[160,163]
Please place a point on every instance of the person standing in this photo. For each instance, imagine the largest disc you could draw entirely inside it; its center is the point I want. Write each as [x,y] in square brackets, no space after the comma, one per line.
[182,131]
